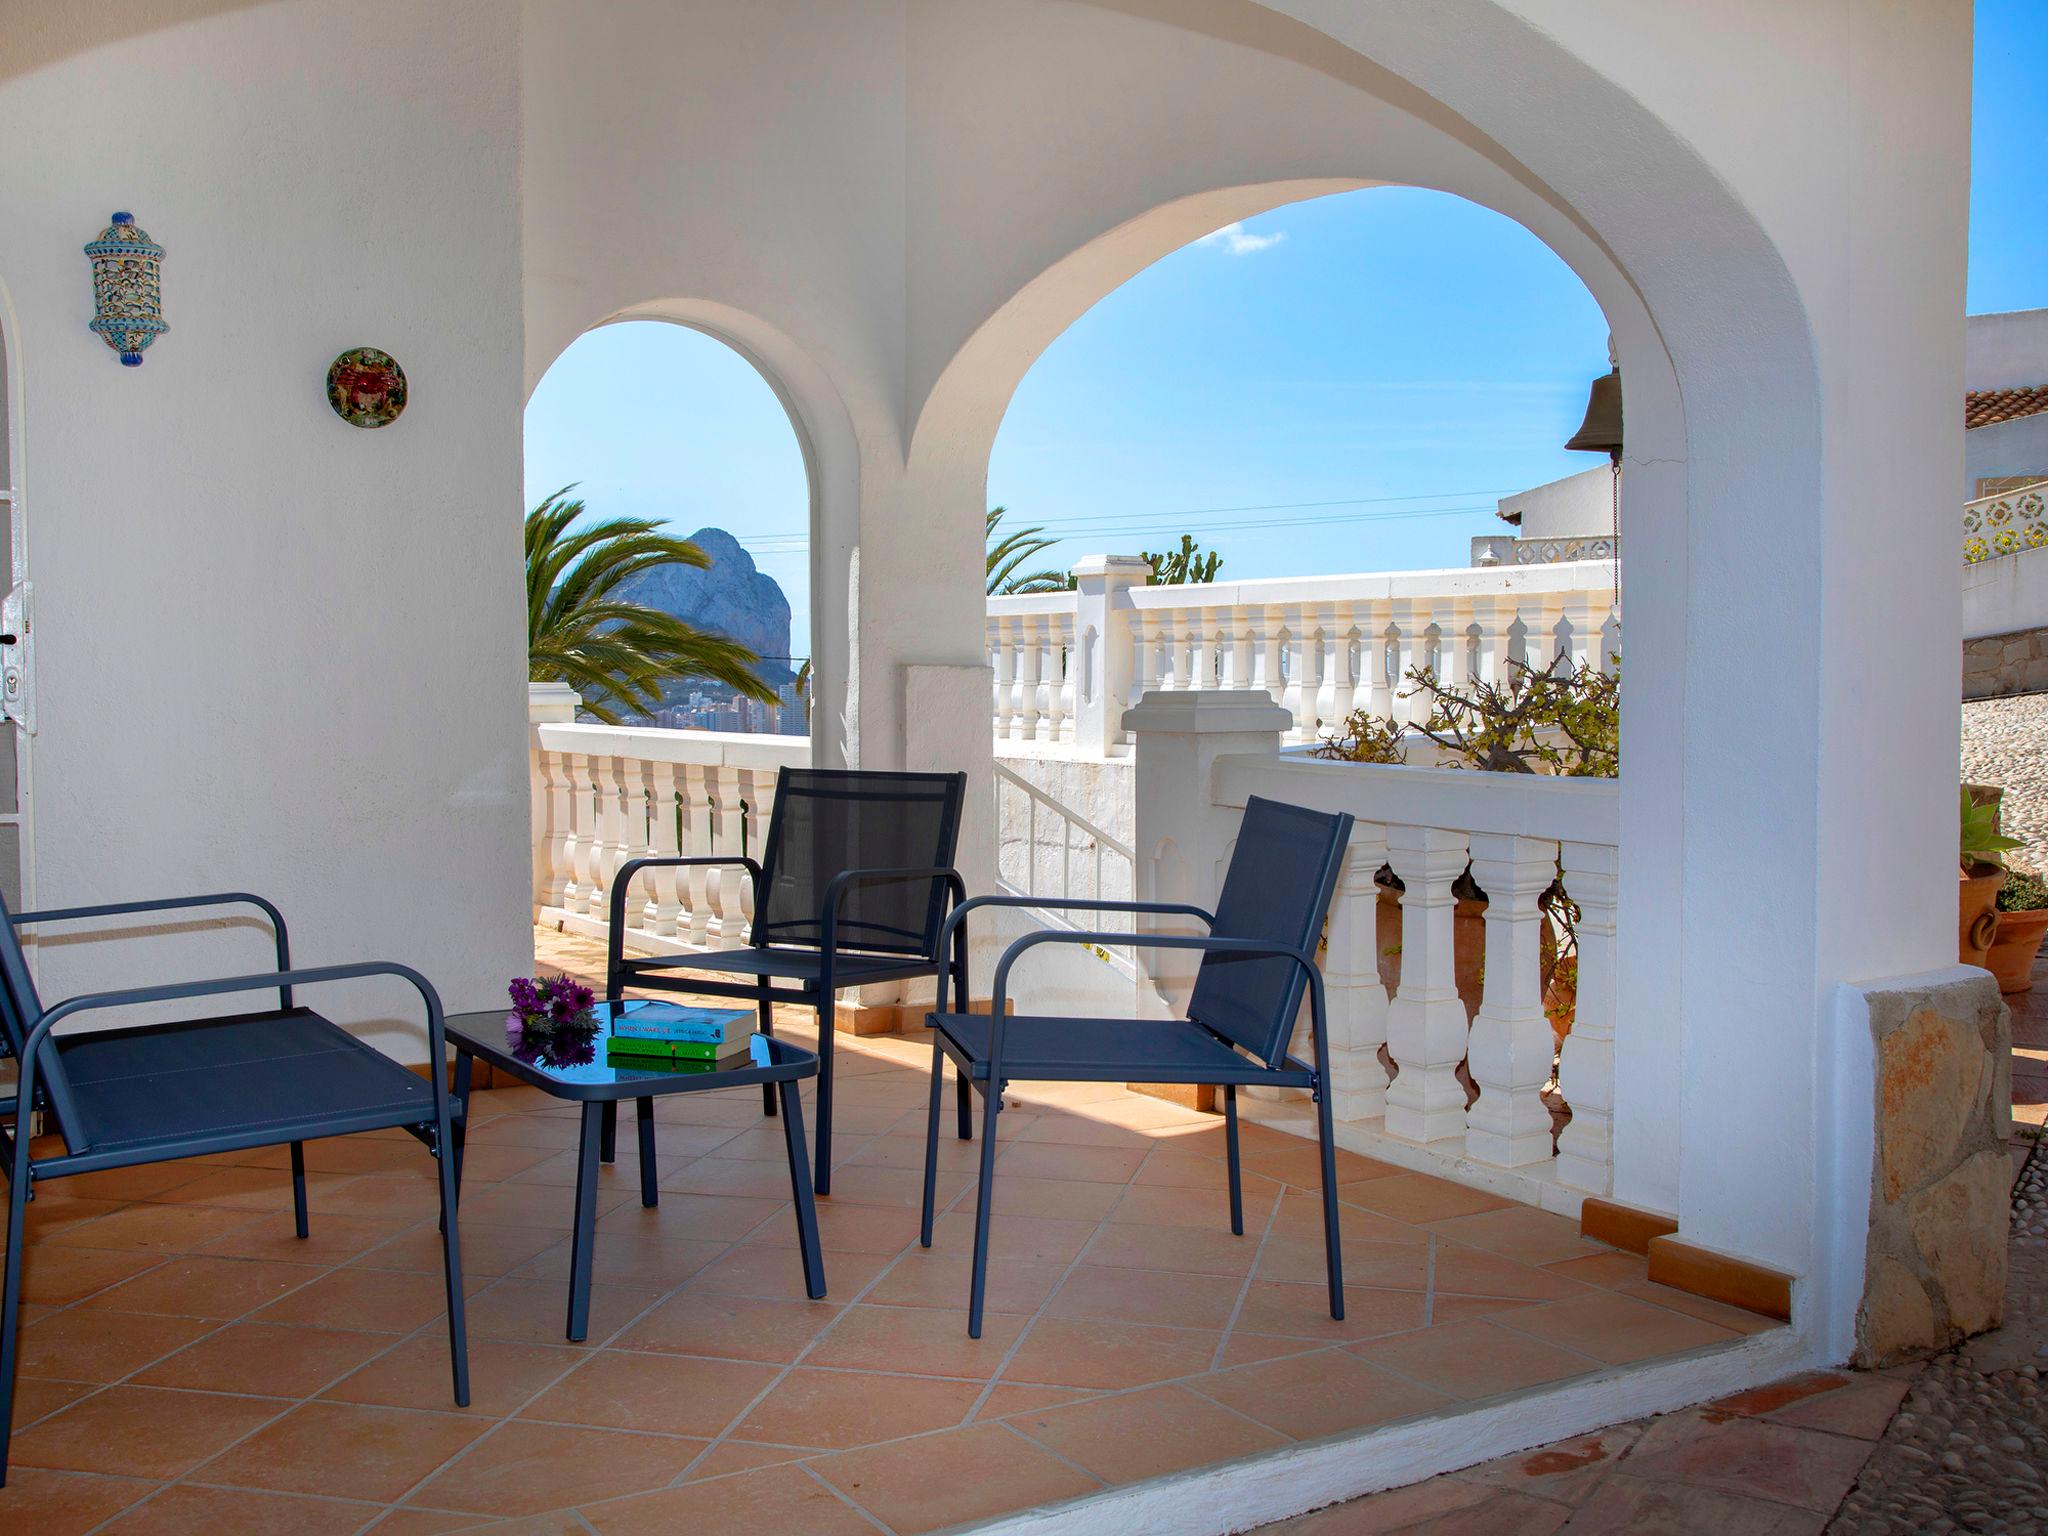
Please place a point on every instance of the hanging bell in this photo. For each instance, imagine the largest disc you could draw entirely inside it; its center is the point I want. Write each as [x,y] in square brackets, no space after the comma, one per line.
[1600,432]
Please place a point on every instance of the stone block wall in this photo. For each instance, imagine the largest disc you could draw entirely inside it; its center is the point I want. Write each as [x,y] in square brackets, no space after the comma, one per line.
[1941,1180]
[1997,666]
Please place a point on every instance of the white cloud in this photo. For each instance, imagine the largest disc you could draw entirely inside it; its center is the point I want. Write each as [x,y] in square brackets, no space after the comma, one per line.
[1233,239]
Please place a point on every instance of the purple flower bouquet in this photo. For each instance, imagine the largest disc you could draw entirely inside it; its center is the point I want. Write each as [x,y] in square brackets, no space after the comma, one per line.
[553,1021]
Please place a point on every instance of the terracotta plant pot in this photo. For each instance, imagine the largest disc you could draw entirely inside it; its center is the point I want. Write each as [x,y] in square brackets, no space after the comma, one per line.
[1977,918]
[2014,946]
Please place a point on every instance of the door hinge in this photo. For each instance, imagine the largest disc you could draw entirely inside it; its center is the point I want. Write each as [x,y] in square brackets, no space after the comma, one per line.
[17,657]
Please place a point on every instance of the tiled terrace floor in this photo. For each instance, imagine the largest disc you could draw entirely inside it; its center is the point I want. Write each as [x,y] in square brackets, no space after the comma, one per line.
[188,1365]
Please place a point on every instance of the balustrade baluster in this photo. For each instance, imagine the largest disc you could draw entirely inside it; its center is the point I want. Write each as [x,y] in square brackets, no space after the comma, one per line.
[1057,699]
[1585,1149]
[1297,695]
[583,848]
[1002,662]
[730,918]
[664,888]
[1426,1025]
[1071,665]
[1511,1047]
[1145,653]
[1386,673]
[558,858]
[1357,1002]
[694,925]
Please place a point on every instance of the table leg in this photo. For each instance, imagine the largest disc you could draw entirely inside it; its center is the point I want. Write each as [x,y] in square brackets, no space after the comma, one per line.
[800,1187]
[650,1191]
[608,1136]
[584,1238]
[465,1065]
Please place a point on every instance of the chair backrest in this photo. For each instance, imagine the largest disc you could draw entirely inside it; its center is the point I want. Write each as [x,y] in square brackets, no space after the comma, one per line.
[1278,888]
[20,1007]
[829,820]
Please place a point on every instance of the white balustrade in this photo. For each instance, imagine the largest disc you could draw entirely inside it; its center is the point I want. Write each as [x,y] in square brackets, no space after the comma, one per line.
[1477,1084]
[607,794]
[1321,646]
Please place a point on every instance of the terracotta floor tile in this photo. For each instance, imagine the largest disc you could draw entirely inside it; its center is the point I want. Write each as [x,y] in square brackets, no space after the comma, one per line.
[1100,1294]
[523,1131]
[522,1469]
[341,1448]
[1071,1129]
[1476,1359]
[251,1189]
[387,1195]
[102,1347]
[1303,1311]
[186,1509]
[842,1409]
[731,1327]
[376,1300]
[1301,1216]
[331,1239]
[1058,1199]
[864,1229]
[1251,1348]
[486,1251]
[36,1398]
[141,1431]
[692,1218]
[1300,1165]
[644,1260]
[1040,1239]
[902,1188]
[918,1341]
[1004,1400]
[1186,1250]
[659,1394]
[1615,1328]
[145,1181]
[1610,1271]
[761,1270]
[949,1479]
[908,1152]
[1171,1167]
[675,1145]
[1701,1307]
[1528,1236]
[536,1311]
[1624,1503]
[1397,1512]
[1862,1409]
[38,1503]
[1419,1197]
[1566,1471]
[1309,1396]
[152,1228]
[932,1279]
[532,1205]
[1052,1160]
[59,1276]
[416,1374]
[1464,1271]
[1136,1435]
[53,1213]
[266,1360]
[748,1503]
[742,1177]
[1754,1459]
[1162,1205]
[1059,1352]
[354,1154]
[1385,1266]
[199,1286]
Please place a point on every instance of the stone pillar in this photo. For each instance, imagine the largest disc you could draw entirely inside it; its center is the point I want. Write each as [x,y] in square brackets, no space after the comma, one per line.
[1940,1179]
[1105,654]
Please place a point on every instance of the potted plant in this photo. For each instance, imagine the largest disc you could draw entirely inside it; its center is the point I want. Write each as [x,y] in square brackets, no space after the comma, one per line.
[2022,924]
[1983,856]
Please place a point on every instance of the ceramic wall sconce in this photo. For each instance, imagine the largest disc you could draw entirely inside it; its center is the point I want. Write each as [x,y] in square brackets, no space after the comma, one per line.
[366,387]
[127,288]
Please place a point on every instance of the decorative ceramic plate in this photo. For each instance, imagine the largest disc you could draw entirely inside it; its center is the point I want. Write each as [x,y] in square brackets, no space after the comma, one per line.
[366,387]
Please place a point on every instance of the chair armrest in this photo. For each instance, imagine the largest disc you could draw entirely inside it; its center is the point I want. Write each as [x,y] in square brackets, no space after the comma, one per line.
[437,1044]
[175,904]
[615,930]
[848,879]
[958,916]
[1207,942]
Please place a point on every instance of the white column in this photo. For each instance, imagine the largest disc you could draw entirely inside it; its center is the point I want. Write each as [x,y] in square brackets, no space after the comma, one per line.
[1351,973]
[1511,1047]
[1585,1076]
[1105,657]
[1426,1026]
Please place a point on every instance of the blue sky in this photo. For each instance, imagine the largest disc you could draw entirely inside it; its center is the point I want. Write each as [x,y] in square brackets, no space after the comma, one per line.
[1341,385]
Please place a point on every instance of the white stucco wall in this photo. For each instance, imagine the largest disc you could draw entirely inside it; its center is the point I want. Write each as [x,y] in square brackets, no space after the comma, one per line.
[2007,350]
[1563,509]
[275,651]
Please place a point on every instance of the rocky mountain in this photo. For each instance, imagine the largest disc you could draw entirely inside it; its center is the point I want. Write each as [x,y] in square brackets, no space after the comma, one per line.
[731,598]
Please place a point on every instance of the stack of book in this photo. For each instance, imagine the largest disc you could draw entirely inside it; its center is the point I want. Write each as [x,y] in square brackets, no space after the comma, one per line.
[665,1037]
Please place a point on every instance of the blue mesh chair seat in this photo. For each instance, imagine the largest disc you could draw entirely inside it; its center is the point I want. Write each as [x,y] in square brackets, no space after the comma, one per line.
[153,1092]
[854,880]
[1049,1050]
[1258,963]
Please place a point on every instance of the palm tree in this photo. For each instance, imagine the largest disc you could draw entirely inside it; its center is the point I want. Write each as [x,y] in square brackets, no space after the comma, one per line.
[1006,554]
[616,653]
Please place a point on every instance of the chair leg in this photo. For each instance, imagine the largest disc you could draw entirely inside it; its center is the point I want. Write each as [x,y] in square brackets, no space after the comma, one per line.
[764,1010]
[650,1191]
[584,1238]
[800,1188]
[1230,1150]
[827,1024]
[1332,1242]
[299,1186]
[10,1308]
[963,1106]
[931,1140]
[451,1266]
[992,1102]
[464,1067]
[608,1134]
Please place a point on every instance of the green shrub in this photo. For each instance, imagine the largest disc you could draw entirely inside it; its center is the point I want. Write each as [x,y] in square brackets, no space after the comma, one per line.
[2023,891]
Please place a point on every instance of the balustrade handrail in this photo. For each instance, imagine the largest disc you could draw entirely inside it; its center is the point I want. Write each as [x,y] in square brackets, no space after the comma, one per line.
[1449,582]
[658,744]
[2007,522]
[1064,812]
[1577,810]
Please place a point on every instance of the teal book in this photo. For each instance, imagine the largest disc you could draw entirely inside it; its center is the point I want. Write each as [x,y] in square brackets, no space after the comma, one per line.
[674,1022]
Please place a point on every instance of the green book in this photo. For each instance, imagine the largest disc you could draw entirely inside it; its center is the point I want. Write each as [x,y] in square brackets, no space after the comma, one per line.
[641,1062]
[696,1050]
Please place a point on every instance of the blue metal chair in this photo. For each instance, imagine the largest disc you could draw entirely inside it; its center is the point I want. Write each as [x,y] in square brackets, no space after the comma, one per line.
[150,1093]
[852,885]
[1257,959]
